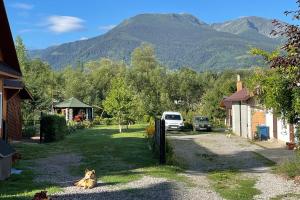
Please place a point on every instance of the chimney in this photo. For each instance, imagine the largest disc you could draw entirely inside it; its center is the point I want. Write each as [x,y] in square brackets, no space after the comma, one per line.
[239,84]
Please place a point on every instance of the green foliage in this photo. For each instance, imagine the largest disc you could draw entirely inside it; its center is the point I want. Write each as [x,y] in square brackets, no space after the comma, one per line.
[120,101]
[145,89]
[29,131]
[275,89]
[224,85]
[53,127]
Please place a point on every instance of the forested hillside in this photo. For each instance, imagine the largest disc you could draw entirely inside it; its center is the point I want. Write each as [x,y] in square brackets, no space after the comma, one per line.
[178,39]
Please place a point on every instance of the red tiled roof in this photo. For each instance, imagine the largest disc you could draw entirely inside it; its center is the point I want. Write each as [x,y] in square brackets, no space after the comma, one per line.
[241,95]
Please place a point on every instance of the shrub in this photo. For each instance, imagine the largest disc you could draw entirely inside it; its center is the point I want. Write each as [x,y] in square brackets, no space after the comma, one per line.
[71,126]
[188,126]
[108,121]
[97,120]
[87,124]
[150,130]
[29,131]
[53,127]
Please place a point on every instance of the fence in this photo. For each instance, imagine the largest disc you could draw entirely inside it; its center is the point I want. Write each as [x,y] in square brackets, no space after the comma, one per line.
[160,140]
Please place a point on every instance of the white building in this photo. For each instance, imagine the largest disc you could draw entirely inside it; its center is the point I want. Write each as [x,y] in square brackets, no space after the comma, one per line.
[244,114]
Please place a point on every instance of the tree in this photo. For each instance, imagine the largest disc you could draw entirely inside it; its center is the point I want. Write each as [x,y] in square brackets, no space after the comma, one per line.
[279,88]
[120,101]
[37,78]
[224,85]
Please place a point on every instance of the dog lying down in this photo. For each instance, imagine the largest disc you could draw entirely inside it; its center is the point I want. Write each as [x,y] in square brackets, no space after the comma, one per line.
[88,181]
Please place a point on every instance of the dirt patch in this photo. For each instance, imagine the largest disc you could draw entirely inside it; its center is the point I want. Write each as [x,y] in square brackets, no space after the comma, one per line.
[56,169]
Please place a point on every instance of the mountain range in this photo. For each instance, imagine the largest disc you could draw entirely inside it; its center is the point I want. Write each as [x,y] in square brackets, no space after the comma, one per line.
[179,40]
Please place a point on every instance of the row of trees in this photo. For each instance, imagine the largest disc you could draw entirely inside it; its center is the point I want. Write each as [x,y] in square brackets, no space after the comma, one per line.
[128,93]
[145,88]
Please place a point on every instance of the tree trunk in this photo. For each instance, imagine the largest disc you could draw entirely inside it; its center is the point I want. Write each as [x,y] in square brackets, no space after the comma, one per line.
[120,128]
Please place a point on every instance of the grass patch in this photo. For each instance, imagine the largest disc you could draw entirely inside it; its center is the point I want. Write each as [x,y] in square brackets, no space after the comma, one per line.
[232,185]
[290,168]
[263,159]
[284,196]
[117,158]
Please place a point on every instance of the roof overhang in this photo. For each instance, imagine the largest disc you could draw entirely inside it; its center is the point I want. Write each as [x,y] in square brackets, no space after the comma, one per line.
[11,84]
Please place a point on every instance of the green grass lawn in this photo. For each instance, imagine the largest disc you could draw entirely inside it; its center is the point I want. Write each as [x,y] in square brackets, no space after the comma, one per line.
[117,158]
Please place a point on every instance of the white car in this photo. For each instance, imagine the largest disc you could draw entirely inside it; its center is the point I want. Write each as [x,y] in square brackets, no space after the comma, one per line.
[173,120]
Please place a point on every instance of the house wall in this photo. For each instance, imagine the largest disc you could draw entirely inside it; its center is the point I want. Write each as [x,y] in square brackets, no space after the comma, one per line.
[244,118]
[283,131]
[249,134]
[14,119]
[269,123]
[236,118]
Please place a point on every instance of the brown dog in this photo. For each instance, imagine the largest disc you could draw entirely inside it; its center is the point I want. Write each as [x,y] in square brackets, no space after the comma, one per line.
[88,181]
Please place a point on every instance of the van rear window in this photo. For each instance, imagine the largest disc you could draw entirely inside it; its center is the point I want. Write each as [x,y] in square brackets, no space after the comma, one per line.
[173,117]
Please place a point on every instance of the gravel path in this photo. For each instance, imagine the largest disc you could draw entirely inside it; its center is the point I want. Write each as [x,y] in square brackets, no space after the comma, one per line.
[207,152]
[55,169]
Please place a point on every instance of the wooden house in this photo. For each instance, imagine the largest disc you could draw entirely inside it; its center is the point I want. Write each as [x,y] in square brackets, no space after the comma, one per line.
[12,89]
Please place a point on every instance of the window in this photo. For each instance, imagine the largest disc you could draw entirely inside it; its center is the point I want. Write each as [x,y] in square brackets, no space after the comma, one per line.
[172,117]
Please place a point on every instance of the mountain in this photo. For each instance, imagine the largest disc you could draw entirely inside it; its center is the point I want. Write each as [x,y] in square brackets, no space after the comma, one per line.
[179,40]
[246,24]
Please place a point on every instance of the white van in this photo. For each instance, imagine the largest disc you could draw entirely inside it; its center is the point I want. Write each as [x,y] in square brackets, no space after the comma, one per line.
[173,120]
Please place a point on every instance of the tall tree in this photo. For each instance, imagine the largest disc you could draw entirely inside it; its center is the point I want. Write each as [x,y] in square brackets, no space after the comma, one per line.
[120,101]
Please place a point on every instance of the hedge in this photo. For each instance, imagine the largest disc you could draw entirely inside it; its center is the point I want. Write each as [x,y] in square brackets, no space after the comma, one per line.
[53,127]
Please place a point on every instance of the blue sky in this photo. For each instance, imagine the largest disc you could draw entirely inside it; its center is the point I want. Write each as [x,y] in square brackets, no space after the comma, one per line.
[43,23]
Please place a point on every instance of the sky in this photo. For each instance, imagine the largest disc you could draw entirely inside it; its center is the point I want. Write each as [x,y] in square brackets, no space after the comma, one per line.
[44,23]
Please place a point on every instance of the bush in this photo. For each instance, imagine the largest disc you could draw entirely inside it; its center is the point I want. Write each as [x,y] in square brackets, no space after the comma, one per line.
[108,121]
[29,131]
[150,130]
[188,126]
[97,120]
[87,124]
[53,127]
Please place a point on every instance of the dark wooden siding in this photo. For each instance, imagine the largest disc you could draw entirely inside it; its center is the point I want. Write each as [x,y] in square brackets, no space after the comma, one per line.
[14,119]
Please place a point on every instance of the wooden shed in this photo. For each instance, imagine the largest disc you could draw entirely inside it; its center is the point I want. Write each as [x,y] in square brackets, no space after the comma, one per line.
[12,89]
[73,109]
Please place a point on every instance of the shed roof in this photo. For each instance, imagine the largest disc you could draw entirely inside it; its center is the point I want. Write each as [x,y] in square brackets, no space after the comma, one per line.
[72,103]
[5,149]
[241,95]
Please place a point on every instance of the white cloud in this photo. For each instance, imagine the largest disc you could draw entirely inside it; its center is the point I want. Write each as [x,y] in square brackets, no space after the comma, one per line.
[63,24]
[83,38]
[107,27]
[22,6]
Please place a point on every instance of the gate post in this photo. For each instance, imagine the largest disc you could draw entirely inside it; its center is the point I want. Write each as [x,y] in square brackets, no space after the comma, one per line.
[162,142]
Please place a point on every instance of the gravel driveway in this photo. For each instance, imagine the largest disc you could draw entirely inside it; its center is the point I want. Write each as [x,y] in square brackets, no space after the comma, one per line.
[201,153]
[207,152]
